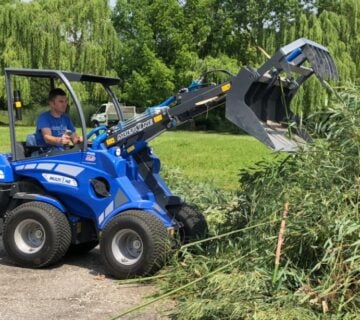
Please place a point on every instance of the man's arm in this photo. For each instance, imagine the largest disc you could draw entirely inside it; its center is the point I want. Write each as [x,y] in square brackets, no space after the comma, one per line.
[56,141]
[75,138]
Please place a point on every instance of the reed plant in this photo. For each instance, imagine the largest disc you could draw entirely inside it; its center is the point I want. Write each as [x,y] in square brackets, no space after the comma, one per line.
[233,275]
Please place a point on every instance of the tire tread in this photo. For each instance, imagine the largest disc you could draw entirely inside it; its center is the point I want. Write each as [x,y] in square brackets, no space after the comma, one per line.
[58,221]
[157,232]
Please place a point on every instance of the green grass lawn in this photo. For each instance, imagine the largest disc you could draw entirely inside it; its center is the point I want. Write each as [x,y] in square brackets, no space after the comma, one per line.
[21,133]
[202,157]
[209,157]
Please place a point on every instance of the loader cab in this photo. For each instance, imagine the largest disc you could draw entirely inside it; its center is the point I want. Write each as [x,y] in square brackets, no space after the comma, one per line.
[27,91]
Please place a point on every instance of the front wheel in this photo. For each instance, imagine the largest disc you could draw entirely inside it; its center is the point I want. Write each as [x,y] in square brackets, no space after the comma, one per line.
[36,234]
[193,223]
[134,243]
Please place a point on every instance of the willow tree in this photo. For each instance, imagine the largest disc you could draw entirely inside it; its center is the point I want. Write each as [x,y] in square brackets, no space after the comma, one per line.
[59,34]
[331,23]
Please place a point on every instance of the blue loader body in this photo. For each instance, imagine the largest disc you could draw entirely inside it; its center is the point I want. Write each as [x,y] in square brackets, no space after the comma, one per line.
[69,179]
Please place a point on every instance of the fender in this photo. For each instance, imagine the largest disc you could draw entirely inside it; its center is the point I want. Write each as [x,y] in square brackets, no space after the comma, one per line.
[150,207]
[41,198]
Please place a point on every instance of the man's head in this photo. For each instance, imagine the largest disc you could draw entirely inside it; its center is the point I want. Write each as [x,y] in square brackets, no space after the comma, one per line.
[56,92]
[57,101]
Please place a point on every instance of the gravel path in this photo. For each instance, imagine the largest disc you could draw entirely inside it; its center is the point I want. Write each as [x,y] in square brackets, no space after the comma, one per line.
[76,288]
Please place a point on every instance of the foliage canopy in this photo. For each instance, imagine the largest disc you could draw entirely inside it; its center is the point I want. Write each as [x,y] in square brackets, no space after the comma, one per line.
[159,46]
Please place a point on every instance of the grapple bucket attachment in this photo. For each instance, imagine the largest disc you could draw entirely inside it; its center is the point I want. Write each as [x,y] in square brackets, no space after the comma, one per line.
[259,100]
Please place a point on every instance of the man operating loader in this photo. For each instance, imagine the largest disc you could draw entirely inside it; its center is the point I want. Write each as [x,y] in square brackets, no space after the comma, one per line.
[54,129]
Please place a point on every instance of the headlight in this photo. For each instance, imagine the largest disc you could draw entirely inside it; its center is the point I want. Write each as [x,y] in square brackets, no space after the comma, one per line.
[118,152]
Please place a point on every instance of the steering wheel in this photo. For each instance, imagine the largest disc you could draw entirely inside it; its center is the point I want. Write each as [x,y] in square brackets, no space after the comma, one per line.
[96,131]
[100,134]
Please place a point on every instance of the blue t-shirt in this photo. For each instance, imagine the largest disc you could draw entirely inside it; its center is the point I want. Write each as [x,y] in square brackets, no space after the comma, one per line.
[58,126]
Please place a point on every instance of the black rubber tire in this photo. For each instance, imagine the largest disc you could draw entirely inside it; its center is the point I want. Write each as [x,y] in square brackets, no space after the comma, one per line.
[95,124]
[55,228]
[82,248]
[151,236]
[194,225]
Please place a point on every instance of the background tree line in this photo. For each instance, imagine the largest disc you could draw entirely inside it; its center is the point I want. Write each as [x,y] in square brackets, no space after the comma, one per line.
[158,46]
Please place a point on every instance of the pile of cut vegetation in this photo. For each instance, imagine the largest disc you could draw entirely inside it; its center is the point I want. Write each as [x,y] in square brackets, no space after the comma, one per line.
[315,195]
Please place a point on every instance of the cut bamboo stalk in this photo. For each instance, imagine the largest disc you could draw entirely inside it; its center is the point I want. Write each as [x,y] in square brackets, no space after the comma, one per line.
[280,241]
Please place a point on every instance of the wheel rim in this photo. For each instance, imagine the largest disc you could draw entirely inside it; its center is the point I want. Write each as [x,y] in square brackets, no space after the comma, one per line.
[127,247]
[29,236]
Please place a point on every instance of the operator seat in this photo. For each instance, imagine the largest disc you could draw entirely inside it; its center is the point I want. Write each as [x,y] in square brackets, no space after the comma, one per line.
[30,140]
[19,150]
[32,149]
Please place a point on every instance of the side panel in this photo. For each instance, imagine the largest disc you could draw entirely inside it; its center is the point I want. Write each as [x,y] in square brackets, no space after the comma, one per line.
[6,171]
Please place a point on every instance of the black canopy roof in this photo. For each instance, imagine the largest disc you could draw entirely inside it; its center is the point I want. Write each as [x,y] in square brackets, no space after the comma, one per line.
[58,74]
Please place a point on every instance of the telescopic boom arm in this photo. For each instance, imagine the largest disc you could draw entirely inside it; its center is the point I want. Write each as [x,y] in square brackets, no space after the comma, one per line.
[257,101]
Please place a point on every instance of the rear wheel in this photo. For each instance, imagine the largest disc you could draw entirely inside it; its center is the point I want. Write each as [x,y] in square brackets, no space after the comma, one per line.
[194,225]
[36,234]
[134,243]
[95,123]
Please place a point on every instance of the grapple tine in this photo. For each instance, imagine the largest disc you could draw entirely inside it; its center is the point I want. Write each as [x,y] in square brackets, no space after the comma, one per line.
[321,62]
[334,73]
[259,100]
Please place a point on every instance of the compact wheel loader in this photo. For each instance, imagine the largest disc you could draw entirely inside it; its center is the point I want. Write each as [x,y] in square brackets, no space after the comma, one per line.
[107,190]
